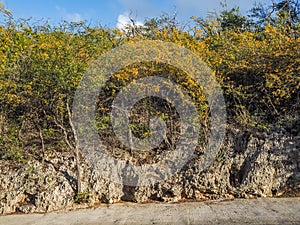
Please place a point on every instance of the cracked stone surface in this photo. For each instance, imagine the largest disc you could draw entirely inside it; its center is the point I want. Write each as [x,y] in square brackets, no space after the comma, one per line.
[248,166]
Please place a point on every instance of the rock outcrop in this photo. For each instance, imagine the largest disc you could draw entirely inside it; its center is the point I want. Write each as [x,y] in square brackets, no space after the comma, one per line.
[248,165]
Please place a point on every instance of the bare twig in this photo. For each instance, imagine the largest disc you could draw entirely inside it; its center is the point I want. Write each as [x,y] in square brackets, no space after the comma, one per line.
[72,147]
[76,150]
[65,132]
[43,144]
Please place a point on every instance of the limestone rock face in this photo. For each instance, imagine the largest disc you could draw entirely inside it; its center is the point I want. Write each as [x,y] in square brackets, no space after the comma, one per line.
[248,165]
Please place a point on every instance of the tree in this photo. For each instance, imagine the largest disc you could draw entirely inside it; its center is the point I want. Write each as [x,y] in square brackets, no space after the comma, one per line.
[283,13]
[233,20]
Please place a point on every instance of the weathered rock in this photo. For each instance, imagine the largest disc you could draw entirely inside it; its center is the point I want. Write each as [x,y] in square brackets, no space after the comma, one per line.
[248,165]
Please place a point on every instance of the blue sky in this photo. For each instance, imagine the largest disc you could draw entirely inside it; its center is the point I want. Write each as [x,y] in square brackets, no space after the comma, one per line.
[114,13]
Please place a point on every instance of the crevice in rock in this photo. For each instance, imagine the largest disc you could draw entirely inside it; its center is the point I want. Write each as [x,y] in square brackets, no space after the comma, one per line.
[241,141]
[130,182]
[155,197]
[72,180]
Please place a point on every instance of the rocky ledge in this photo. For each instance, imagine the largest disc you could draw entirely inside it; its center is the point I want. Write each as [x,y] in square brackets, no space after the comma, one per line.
[265,164]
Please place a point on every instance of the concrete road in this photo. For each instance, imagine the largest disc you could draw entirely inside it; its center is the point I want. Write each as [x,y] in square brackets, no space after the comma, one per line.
[241,211]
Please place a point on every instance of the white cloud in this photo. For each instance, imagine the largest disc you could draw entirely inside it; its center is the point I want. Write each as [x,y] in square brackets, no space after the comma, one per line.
[71,17]
[124,19]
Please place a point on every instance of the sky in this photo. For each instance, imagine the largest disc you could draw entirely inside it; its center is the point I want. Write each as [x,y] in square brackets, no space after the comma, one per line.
[115,13]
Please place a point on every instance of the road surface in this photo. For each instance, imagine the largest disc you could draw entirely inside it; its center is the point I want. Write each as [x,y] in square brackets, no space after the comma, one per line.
[240,211]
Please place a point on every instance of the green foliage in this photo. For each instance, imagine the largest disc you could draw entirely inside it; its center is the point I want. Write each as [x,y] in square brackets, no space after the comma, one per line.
[256,61]
[233,20]
[83,197]
[11,147]
[285,13]
[41,67]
